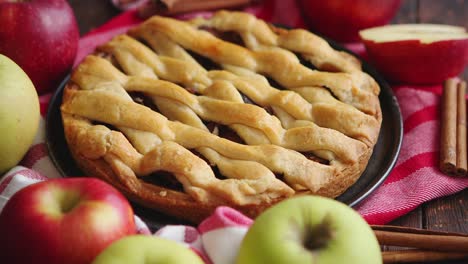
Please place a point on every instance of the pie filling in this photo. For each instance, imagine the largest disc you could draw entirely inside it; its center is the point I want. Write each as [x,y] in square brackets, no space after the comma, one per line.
[164,179]
[167,179]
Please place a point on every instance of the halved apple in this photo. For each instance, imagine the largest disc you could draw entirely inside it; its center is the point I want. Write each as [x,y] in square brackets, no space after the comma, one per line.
[417,53]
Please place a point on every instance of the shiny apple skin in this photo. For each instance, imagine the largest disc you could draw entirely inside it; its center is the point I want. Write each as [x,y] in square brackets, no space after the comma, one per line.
[283,234]
[413,62]
[19,114]
[41,36]
[34,231]
[142,249]
[341,20]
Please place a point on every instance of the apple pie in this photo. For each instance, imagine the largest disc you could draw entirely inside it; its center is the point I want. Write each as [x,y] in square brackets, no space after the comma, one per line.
[184,116]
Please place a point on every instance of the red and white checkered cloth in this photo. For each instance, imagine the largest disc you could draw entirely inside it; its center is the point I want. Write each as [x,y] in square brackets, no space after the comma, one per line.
[414,180]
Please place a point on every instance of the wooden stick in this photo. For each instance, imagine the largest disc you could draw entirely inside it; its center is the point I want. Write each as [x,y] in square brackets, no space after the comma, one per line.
[170,7]
[177,6]
[448,133]
[421,238]
[427,245]
[407,256]
[461,168]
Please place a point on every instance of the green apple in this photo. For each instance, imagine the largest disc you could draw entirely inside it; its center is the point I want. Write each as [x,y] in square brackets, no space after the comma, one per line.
[19,113]
[141,249]
[310,229]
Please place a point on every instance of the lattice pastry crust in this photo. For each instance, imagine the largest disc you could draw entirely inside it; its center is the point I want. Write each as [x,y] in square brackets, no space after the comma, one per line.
[183,116]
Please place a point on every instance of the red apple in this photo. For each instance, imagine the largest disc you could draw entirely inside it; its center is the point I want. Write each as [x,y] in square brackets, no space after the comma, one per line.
[417,53]
[68,220]
[41,36]
[341,20]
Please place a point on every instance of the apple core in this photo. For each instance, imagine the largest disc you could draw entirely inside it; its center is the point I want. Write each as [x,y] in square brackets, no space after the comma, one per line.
[318,236]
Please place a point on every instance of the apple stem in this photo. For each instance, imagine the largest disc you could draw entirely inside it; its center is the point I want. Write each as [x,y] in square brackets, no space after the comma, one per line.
[318,236]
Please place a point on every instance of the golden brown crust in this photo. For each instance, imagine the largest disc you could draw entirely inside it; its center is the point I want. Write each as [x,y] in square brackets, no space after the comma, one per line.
[173,203]
[332,113]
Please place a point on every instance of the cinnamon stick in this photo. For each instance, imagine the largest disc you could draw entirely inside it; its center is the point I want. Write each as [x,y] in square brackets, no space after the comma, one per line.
[421,238]
[427,245]
[461,167]
[170,7]
[407,256]
[448,134]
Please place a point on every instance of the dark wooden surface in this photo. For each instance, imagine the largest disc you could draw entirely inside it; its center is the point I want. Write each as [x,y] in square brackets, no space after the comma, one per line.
[445,214]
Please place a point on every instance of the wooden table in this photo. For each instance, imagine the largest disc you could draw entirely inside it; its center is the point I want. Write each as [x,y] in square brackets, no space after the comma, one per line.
[444,214]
